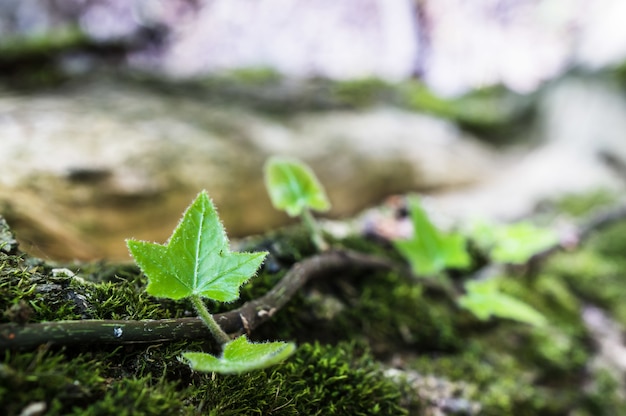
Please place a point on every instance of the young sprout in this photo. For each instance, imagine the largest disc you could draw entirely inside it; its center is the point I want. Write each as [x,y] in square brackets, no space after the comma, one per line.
[197,263]
[430,251]
[294,188]
[514,243]
[484,299]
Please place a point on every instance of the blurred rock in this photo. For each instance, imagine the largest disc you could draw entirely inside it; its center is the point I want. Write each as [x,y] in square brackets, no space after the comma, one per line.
[85,167]
[577,146]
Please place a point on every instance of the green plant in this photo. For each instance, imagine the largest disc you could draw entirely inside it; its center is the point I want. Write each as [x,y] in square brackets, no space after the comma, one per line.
[294,188]
[197,263]
[484,299]
[430,251]
[512,243]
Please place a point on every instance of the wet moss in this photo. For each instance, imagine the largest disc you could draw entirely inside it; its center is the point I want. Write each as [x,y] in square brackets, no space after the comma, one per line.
[319,379]
[350,328]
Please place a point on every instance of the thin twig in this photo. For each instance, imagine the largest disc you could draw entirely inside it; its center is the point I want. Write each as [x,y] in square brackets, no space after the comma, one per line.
[250,315]
[244,319]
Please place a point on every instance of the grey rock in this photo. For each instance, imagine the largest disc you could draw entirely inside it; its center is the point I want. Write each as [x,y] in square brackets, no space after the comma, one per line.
[84,168]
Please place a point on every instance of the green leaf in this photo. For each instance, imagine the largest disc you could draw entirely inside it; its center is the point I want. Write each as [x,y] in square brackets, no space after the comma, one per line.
[513,243]
[484,300]
[197,259]
[240,356]
[293,187]
[517,243]
[430,251]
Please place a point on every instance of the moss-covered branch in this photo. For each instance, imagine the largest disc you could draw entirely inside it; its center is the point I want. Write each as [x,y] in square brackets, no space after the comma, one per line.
[244,319]
[253,313]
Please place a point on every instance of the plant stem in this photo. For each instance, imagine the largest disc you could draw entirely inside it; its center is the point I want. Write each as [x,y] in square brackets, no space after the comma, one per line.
[219,334]
[243,320]
[313,227]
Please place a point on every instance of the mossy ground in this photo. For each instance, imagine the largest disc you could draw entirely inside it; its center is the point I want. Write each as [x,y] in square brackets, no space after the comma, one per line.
[350,330]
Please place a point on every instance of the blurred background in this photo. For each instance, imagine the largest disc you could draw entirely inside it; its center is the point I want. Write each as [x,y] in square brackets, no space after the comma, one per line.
[114,114]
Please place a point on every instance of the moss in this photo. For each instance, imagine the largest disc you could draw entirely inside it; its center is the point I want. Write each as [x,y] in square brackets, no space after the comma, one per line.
[361,92]
[27,294]
[255,76]
[596,274]
[393,312]
[329,380]
[51,377]
[579,205]
[346,328]
[318,380]
[123,380]
[491,113]
[32,61]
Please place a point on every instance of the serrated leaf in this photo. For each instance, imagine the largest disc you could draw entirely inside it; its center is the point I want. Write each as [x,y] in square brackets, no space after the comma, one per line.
[513,243]
[196,259]
[484,300]
[240,356]
[293,187]
[517,243]
[430,251]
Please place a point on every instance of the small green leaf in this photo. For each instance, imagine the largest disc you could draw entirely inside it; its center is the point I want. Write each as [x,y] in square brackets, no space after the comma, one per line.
[240,356]
[197,259]
[293,186]
[484,300]
[517,243]
[513,243]
[430,251]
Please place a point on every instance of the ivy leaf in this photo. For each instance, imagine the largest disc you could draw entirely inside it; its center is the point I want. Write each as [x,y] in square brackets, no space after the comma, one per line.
[293,187]
[197,259]
[430,251]
[484,300]
[517,243]
[513,243]
[240,356]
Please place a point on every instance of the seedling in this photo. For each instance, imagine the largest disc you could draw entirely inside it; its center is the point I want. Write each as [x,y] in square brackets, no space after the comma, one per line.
[430,251]
[197,263]
[484,299]
[294,188]
[512,243]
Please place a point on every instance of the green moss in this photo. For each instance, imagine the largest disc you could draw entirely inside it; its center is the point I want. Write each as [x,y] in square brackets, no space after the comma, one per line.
[346,327]
[51,377]
[361,92]
[604,396]
[254,76]
[502,383]
[488,112]
[27,294]
[32,61]
[594,278]
[579,205]
[106,380]
[393,312]
[318,380]
[49,42]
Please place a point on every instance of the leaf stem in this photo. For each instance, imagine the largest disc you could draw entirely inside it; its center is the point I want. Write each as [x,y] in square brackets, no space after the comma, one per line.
[243,320]
[313,227]
[217,332]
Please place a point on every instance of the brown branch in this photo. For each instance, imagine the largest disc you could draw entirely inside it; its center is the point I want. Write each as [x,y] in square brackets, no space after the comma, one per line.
[250,315]
[244,319]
